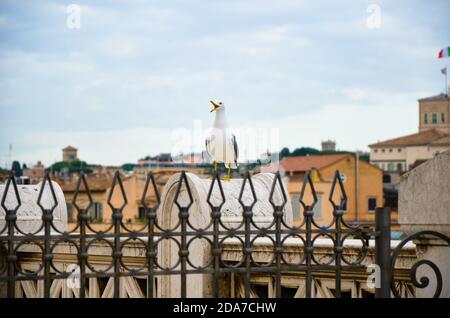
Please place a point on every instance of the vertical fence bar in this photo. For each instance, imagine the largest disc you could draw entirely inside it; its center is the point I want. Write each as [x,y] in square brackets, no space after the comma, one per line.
[247,248]
[382,251]
[278,218]
[338,253]
[11,218]
[338,212]
[151,219]
[183,216]
[308,253]
[151,252]
[308,213]
[278,251]
[83,218]
[82,256]
[215,216]
[117,216]
[47,219]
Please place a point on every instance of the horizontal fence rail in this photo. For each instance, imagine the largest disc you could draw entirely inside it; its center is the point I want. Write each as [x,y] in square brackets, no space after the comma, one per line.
[152,236]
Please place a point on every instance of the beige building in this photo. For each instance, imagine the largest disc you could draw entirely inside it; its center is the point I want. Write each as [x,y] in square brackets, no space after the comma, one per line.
[362,181]
[100,187]
[70,153]
[401,154]
[434,113]
[35,173]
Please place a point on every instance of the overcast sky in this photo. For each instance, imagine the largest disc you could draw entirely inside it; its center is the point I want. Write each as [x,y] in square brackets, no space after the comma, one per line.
[136,71]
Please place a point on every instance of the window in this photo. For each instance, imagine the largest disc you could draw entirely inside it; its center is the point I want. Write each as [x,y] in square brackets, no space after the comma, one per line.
[367,294]
[344,204]
[142,213]
[399,167]
[96,212]
[434,118]
[288,292]
[261,291]
[443,118]
[375,150]
[371,204]
[318,207]
[390,167]
[399,149]
[383,150]
[390,149]
[425,118]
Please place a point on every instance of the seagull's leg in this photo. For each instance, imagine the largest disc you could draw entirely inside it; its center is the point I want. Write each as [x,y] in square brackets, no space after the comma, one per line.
[229,171]
[215,166]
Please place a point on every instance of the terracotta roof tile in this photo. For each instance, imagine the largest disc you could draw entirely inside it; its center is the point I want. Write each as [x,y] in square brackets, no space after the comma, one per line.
[70,148]
[435,97]
[422,138]
[94,184]
[306,163]
[444,141]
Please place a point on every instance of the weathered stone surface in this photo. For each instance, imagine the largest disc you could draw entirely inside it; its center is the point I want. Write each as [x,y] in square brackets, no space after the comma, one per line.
[424,196]
[424,204]
[29,215]
[199,218]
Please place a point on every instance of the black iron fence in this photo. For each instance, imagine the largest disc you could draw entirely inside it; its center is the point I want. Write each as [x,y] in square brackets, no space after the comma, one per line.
[118,234]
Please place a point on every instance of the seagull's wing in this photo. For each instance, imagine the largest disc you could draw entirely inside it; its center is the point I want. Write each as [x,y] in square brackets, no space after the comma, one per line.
[208,141]
[236,149]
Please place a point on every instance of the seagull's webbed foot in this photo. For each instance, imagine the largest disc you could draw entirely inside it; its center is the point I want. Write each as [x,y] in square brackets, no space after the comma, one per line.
[228,177]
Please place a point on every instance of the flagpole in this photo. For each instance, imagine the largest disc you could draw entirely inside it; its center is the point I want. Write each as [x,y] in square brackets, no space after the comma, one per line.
[446,87]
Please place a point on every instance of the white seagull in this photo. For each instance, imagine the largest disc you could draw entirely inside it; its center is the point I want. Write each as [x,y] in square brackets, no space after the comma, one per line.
[221,144]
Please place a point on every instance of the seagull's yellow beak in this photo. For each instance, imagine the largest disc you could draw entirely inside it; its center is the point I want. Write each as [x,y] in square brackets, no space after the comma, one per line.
[215,106]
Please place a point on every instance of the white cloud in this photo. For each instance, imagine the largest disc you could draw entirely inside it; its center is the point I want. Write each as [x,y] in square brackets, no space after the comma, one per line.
[130,74]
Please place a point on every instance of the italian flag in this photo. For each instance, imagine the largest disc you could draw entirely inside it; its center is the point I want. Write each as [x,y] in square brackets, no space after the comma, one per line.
[445,52]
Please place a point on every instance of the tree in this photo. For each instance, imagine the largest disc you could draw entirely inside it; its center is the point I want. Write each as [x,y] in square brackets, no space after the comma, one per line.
[71,166]
[17,170]
[128,166]
[305,151]
[284,153]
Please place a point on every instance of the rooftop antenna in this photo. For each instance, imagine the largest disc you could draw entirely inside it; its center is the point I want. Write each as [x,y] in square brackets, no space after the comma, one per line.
[9,164]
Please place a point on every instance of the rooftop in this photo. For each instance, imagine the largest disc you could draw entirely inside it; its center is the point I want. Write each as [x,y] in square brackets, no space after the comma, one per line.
[70,148]
[94,183]
[426,137]
[305,163]
[441,96]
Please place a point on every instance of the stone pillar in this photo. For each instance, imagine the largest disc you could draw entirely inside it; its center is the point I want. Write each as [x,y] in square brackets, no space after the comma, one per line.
[199,217]
[29,215]
[424,205]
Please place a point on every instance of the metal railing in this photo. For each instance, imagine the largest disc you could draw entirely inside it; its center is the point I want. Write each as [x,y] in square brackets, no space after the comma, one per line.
[150,236]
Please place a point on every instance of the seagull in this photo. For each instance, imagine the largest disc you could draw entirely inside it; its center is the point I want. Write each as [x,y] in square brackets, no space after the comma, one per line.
[221,144]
